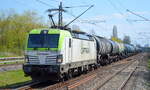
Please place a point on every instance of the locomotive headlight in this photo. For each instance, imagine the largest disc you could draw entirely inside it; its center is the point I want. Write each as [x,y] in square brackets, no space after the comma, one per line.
[26,58]
[59,58]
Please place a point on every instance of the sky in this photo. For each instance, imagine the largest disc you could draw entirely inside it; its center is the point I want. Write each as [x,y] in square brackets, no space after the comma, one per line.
[113,12]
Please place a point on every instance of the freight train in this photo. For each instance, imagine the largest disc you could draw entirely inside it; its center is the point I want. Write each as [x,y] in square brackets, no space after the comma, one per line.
[55,54]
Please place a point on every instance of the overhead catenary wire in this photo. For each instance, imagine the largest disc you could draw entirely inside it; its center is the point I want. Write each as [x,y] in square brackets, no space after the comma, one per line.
[77,6]
[79,15]
[146,19]
[44,3]
[115,7]
[54,0]
[121,5]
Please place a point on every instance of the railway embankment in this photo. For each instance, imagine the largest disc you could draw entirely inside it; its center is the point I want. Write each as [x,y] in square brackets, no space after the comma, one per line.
[132,73]
[139,79]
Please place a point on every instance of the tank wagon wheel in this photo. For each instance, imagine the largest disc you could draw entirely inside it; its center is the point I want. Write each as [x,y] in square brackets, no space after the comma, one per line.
[79,70]
[62,78]
[85,69]
[95,66]
[69,75]
[103,63]
[34,79]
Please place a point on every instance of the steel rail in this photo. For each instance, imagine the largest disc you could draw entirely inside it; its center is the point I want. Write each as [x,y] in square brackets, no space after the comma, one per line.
[108,79]
[128,78]
[11,58]
[28,87]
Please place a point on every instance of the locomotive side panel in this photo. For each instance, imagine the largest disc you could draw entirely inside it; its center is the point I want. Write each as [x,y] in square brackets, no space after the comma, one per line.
[83,51]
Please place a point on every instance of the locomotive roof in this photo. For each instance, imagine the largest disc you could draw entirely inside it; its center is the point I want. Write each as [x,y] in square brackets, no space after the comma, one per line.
[38,31]
[78,32]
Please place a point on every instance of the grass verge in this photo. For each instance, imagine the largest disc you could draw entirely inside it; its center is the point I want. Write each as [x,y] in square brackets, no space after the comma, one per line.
[148,84]
[149,63]
[12,78]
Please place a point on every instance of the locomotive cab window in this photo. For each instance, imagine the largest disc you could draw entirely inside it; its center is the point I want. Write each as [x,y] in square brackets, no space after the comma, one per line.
[83,36]
[43,41]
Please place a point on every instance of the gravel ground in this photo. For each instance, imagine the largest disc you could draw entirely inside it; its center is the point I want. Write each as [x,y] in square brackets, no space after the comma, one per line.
[104,73]
[10,67]
[117,81]
[141,78]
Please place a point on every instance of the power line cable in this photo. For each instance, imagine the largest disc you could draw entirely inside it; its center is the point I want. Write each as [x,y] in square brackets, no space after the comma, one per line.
[146,19]
[115,7]
[77,6]
[121,5]
[44,3]
[54,0]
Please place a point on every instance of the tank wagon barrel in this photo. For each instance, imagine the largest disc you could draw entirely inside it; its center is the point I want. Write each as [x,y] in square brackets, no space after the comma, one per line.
[103,45]
[115,47]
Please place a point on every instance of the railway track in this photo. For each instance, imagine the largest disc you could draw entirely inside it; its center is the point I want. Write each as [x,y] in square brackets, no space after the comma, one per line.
[87,78]
[114,81]
[5,65]
[128,78]
[11,58]
[27,86]
[70,84]
[126,81]
[11,67]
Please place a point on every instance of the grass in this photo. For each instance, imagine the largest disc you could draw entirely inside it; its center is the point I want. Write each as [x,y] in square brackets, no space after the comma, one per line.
[1,56]
[12,78]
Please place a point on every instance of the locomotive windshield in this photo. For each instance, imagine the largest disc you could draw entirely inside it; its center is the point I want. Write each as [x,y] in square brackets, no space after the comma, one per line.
[43,41]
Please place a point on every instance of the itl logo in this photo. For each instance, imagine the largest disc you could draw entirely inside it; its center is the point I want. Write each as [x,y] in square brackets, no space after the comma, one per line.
[84,50]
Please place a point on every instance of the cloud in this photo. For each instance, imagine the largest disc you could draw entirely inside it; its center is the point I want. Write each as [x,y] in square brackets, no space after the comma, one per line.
[124,27]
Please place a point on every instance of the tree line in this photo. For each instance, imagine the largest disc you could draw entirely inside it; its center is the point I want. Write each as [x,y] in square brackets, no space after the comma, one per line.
[14,28]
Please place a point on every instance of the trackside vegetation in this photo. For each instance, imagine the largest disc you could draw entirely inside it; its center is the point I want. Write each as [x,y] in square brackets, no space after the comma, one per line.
[12,78]
[148,84]
[14,28]
[149,63]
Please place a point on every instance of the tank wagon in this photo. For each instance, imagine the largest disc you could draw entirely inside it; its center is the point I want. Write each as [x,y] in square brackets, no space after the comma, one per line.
[54,54]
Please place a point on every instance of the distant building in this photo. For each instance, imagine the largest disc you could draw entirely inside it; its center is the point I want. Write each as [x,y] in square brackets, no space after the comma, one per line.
[115,34]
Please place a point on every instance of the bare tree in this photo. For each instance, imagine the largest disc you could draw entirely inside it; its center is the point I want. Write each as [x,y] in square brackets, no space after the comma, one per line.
[127,40]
